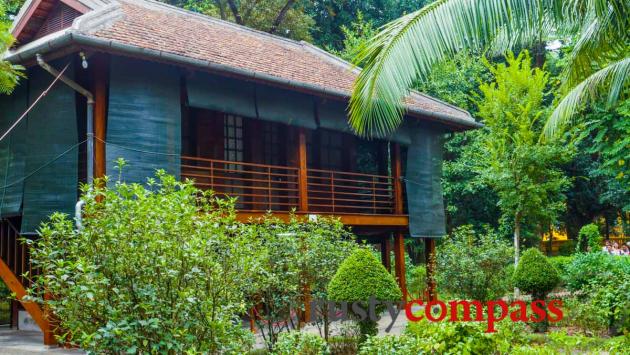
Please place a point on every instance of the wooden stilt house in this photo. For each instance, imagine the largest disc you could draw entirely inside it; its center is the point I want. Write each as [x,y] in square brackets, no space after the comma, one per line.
[241,112]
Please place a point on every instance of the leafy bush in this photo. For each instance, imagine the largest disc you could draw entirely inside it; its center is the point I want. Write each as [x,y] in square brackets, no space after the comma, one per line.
[292,256]
[472,265]
[360,277]
[589,238]
[535,274]
[391,344]
[296,342]
[561,263]
[417,281]
[148,273]
[602,284]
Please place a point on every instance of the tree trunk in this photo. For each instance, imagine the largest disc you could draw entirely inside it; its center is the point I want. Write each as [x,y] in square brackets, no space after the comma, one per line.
[517,245]
[281,15]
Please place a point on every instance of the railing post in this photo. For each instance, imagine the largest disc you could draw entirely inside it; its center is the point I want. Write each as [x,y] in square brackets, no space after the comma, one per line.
[399,241]
[269,187]
[302,172]
[332,189]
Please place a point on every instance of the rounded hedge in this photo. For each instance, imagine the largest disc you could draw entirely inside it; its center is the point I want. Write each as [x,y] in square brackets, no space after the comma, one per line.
[360,277]
[535,274]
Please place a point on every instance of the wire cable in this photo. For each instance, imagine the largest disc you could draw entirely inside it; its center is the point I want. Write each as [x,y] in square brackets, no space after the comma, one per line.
[136,149]
[44,93]
[43,166]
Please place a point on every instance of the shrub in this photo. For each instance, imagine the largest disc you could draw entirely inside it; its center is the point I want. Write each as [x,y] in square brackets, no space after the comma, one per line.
[601,281]
[417,281]
[472,265]
[296,342]
[561,263]
[589,238]
[360,277]
[391,344]
[148,273]
[535,274]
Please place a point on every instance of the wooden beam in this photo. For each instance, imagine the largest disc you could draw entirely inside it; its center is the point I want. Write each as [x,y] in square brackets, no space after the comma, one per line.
[101,84]
[302,173]
[33,309]
[399,257]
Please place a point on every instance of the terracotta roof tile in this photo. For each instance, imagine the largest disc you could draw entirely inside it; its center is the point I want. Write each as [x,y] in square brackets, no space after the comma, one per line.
[151,25]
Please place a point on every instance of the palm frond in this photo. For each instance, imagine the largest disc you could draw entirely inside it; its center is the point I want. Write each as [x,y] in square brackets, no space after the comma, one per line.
[609,82]
[406,49]
[600,41]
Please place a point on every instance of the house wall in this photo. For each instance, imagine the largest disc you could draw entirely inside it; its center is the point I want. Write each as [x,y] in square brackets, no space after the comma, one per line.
[40,164]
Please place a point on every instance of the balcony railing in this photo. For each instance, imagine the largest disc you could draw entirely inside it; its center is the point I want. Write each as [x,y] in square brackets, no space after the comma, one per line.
[261,187]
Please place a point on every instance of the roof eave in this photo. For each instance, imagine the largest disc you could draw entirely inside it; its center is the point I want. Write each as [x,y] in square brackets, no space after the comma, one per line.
[60,40]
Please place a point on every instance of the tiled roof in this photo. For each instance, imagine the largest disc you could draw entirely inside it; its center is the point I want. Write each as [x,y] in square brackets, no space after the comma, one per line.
[158,27]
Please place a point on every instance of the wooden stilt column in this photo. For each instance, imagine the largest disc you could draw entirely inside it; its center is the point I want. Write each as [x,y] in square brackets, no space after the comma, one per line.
[101,83]
[429,252]
[386,250]
[303,207]
[399,240]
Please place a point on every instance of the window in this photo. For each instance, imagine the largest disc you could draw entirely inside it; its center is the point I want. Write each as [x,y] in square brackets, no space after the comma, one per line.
[233,138]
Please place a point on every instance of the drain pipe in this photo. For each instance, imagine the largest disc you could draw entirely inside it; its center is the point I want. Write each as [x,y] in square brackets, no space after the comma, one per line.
[90,112]
[90,129]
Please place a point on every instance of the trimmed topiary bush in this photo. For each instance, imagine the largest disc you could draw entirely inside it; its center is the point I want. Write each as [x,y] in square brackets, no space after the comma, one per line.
[360,277]
[296,342]
[535,274]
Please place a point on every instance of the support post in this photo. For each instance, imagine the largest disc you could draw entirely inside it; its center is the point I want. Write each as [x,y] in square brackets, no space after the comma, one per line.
[399,239]
[101,81]
[303,207]
[386,250]
[399,257]
[303,177]
[429,253]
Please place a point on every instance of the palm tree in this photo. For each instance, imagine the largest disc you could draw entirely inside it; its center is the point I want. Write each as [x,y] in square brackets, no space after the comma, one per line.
[404,51]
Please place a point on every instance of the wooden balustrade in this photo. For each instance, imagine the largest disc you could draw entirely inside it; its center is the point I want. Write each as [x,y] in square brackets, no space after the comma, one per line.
[261,187]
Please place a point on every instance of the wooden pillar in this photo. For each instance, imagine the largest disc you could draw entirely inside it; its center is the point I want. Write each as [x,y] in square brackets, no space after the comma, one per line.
[399,239]
[386,250]
[101,84]
[429,253]
[303,207]
[399,257]
[303,179]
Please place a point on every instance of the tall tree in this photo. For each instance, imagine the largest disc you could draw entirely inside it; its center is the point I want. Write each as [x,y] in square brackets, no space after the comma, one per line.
[522,170]
[283,17]
[407,48]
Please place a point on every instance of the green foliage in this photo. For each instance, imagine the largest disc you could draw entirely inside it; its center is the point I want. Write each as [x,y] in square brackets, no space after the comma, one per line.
[416,280]
[447,338]
[293,255]
[406,49]
[261,15]
[148,272]
[354,37]
[535,274]
[589,238]
[602,285]
[523,171]
[472,265]
[296,342]
[561,264]
[360,277]
[10,74]
[606,136]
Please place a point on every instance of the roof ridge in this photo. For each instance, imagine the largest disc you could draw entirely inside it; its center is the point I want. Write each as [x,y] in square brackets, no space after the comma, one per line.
[356,69]
[215,20]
